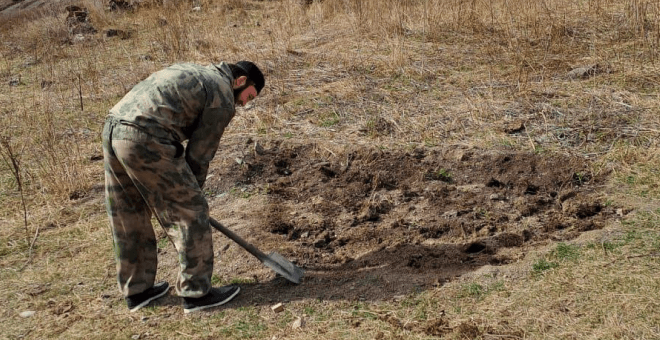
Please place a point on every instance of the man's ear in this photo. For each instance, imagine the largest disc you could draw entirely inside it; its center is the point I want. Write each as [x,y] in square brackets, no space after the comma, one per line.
[239,82]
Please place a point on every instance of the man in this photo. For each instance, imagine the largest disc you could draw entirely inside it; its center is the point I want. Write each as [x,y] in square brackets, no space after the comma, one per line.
[149,172]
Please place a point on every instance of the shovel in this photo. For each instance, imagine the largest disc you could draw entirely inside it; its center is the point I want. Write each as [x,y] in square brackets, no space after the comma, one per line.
[273,261]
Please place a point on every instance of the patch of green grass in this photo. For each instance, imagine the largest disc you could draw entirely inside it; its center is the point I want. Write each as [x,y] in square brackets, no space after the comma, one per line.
[632,235]
[543,265]
[478,291]
[285,319]
[216,280]
[163,242]
[440,175]
[420,306]
[497,287]
[302,101]
[611,246]
[10,246]
[330,121]
[474,290]
[565,251]
[365,314]
[429,143]
[308,310]
[507,142]
[243,193]
[539,149]
[444,174]
[244,329]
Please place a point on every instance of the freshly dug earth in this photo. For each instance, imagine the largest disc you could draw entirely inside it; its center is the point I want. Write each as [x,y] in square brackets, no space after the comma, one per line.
[370,224]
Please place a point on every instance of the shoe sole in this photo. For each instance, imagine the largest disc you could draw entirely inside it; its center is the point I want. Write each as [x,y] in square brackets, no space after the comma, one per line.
[147,301]
[186,311]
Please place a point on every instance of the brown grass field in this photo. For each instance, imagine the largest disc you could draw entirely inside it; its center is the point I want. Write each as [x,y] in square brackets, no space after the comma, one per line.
[442,169]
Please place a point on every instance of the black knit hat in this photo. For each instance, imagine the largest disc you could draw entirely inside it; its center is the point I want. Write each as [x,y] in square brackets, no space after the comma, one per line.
[253,73]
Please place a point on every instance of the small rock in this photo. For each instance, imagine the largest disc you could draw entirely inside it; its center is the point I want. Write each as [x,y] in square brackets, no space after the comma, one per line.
[494,197]
[258,149]
[298,323]
[15,82]
[135,336]
[620,212]
[277,308]
[78,37]
[196,9]
[27,313]
[585,72]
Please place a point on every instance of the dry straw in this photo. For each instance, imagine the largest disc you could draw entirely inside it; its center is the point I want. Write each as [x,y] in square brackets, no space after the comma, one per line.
[380,73]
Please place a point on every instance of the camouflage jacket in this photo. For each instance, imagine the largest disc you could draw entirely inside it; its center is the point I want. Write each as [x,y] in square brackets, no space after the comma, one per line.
[183,102]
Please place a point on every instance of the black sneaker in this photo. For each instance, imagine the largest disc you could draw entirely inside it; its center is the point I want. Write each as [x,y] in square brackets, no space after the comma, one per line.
[140,300]
[215,297]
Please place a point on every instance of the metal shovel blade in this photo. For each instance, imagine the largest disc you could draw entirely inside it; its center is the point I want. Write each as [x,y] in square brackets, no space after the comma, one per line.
[273,261]
[283,267]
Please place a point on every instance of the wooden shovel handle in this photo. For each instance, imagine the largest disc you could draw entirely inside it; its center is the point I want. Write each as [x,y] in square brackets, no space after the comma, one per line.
[250,248]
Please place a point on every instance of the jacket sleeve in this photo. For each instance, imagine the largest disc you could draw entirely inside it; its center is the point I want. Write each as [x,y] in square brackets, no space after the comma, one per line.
[205,139]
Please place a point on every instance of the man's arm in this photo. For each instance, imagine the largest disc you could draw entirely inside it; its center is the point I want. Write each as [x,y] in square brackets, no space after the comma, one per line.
[204,141]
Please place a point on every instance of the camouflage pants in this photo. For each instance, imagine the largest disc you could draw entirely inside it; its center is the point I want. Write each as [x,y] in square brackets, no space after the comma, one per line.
[145,176]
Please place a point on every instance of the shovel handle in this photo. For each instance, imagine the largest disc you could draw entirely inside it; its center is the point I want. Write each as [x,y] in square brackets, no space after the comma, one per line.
[250,248]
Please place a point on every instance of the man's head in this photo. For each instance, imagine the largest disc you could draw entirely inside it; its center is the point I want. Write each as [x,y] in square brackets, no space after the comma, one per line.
[248,81]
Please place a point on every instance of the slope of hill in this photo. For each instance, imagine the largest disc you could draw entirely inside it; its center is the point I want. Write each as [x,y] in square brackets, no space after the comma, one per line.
[441,169]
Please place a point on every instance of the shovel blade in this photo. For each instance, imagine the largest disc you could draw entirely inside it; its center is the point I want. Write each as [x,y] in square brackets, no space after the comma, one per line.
[283,267]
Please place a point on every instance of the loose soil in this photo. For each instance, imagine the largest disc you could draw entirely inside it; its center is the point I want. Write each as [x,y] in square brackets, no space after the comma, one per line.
[371,224]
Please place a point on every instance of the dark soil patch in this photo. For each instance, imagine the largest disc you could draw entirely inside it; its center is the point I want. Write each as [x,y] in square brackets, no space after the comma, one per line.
[371,224]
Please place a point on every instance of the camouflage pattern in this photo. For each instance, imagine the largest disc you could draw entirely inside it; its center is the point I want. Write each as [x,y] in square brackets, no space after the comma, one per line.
[183,102]
[149,172]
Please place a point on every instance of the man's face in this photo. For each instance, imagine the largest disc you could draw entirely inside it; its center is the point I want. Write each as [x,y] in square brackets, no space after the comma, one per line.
[246,95]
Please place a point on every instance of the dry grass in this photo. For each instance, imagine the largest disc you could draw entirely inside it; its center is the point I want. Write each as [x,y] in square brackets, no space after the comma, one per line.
[397,74]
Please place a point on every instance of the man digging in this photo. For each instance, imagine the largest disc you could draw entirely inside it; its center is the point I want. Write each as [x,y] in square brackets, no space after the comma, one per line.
[148,171]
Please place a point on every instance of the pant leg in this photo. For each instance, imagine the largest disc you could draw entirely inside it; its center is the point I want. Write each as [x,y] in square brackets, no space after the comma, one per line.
[134,241]
[167,183]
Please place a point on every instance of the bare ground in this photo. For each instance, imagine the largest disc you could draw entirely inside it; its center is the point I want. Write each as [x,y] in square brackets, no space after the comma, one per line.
[372,225]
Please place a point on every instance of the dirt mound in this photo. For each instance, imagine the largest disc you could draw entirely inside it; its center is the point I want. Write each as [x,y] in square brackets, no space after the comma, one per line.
[396,220]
